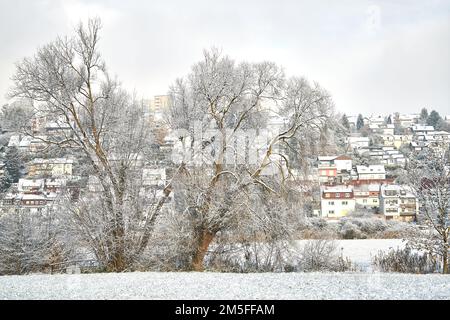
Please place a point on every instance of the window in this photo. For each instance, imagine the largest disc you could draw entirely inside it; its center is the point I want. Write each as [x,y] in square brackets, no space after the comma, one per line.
[364,200]
[327,195]
[331,203]
[344,202]
[330,211]
[338,195]
[347,195]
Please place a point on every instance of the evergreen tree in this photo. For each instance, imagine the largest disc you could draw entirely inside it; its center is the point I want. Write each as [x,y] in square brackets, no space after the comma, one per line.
[345,123]
[423,115]
[389,120]
[359,122]
[5,182]
[13,164]
[434,119]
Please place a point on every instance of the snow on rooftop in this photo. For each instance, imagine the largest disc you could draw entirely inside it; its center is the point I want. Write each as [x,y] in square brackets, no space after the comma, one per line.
[31,182]
[338,188]
[33,197]
[375,168]
[52,161]
[14,141]
[422,128]
[326,158]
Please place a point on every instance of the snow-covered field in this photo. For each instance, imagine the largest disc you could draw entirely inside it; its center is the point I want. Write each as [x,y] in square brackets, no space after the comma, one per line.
[361,252]
[183,285]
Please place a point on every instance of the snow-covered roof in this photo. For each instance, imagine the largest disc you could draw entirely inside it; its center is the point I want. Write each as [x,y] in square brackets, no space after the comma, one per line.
[52,161]
[14,141]
[338,188]
[55,182]
[374,168]
[25,142]
[368,187]
[422,128]
[402,190]
[54,125]
[408,117]
[31,182]
[33,197]
[440,133]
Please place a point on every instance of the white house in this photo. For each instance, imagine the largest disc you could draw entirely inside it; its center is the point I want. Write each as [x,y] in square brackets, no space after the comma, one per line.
[337,201]
[420,129]
[330,166]
[31,185]
[371,172]
[407,120]
[358,142]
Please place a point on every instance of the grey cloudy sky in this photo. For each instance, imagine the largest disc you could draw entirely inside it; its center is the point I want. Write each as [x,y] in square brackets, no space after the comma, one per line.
[373,56]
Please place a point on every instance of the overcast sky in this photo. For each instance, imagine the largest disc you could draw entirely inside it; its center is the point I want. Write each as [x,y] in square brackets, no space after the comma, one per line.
[373,56]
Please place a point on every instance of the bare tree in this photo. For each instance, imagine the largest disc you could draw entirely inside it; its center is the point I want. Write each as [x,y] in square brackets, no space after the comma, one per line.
[429,177]
[230,97]
[31,241]
[70,86]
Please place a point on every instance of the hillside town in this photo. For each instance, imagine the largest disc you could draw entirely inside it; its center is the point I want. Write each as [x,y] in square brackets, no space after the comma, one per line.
[364,177]
[250,151]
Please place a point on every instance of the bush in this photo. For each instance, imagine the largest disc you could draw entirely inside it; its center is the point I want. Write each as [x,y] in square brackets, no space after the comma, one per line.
[405,261]
[349,230]
[322,255]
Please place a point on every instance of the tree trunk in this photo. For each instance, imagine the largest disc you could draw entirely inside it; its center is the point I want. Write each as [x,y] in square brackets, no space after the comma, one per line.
[203,242]
[118,261]
[445,256]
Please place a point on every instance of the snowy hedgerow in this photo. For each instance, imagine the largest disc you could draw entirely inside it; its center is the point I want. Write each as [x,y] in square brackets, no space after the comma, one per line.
[405,260]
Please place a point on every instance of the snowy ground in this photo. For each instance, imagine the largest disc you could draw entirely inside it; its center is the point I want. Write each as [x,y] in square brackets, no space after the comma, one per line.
[151,285]
[361,252]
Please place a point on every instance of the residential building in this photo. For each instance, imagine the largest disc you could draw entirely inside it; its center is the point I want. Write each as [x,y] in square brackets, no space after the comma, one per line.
[376,121]
[371,172]
[337,201]
[56,167]
[398,203]
[407,120]
[330,167]
[421,129]
[31,185]
[158,106]
[367,196]
[403,139]
[358,142]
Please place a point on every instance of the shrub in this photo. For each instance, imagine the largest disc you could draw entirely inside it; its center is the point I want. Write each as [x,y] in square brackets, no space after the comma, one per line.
[322,255]
[405,261]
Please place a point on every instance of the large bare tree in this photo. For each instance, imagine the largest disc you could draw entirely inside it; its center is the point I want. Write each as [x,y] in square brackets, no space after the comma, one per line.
[70,86]
[230,97]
